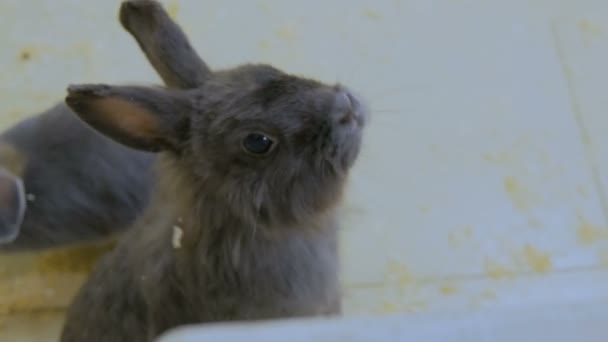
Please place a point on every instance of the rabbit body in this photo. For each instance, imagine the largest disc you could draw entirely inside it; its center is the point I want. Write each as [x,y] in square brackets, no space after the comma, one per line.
[242,225]
[80,185]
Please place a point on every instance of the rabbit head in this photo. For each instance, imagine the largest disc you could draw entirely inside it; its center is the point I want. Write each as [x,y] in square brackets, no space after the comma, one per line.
[269,147]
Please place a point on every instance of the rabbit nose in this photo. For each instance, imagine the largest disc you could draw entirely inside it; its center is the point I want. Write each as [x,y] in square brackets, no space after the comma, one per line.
[346,107]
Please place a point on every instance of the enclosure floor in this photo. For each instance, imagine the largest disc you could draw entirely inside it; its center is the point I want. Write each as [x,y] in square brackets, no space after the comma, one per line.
[34,327]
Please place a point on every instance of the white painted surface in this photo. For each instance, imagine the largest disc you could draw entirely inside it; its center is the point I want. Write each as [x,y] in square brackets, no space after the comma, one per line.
[559,324]
[484,179]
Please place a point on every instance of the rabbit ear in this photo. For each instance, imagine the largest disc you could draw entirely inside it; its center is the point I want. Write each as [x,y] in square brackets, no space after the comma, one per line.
[150,119]
[164,44]
[12,206]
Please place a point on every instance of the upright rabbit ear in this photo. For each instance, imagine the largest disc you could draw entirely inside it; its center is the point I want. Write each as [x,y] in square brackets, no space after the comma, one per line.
[150,119]
[164,44]
[12,206]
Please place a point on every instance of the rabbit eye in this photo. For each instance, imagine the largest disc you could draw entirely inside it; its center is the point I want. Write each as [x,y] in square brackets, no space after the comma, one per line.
[257,143]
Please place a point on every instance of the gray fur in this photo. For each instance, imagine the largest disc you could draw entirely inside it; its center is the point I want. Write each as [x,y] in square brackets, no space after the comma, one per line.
[163,43]
[86,186]
[259,231]
[81,185]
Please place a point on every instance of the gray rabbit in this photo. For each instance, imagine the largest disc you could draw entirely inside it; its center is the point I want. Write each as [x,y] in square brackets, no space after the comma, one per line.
[252,163]
[62,182]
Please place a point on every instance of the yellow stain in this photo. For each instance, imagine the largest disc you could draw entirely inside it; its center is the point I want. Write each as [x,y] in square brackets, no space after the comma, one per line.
[511,185]
[448,289]
[457,238]
[590,28]
[389,307]
[264,45]
[78,258]
[519,195]
[538,261]
[399,274]
[498,158]
[425,209]
[25,55]
[286,34]
[372,15]
[173,9]
[50,279]
[588,233]
[497,271]
[28,53]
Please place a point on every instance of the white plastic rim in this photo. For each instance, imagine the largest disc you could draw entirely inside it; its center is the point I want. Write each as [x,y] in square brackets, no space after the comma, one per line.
[14,233]
[560,322]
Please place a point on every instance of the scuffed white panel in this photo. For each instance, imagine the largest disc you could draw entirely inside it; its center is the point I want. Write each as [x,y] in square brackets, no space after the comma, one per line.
[478,187]
[556,323]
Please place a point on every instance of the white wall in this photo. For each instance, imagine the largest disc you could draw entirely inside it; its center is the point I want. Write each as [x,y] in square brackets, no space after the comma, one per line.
[484,179]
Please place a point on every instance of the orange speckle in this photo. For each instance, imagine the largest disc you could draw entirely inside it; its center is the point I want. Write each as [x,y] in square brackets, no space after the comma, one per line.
[498,158]
[496,270]
[590,28]
[399,274]
[520,196]
[538,261]
[448,289]
[468,231]
[25,55]
[372,15]
[457,238]
[588,233]
[389,307]
[173,9]
[286,34]
[263,45]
